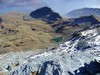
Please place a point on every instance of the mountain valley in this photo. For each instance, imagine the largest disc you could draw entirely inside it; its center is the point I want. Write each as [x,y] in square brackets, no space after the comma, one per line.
[43,42]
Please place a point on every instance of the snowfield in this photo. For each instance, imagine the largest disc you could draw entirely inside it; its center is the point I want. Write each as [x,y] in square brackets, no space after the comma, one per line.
[65,60]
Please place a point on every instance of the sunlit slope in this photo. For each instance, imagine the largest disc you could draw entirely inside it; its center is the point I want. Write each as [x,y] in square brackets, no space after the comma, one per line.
[18,34]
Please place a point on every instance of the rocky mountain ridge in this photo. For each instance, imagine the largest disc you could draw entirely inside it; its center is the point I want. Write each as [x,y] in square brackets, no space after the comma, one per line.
[68,58]
[46,14]
[87,20]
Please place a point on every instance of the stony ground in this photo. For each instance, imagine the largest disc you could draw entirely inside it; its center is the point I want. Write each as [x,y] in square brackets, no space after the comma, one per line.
[68,58]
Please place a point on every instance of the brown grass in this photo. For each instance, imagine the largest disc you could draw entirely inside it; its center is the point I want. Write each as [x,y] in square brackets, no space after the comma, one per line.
[33,34]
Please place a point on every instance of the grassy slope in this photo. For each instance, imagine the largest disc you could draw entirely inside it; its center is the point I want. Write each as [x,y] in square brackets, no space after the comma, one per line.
[25,38]
[33,34]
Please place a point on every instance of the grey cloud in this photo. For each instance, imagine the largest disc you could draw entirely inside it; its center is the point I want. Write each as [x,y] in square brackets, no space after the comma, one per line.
[20,5]
[19,2]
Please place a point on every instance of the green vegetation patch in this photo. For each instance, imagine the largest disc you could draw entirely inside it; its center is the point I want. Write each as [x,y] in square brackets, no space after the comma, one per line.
[57,39]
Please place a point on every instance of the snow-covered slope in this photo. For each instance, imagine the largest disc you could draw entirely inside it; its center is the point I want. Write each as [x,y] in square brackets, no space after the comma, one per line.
[83,48]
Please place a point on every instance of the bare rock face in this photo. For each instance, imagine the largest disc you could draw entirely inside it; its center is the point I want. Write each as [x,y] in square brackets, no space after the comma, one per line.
[0,20]
[46,14]
[93,68]
[87,20]
[67,59]
[40,13]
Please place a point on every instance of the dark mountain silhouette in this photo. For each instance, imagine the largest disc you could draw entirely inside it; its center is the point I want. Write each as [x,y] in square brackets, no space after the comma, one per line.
[83,12]
[41,12]
[0,20]
[86,20]
[89,69]
[77,24]
[46,14]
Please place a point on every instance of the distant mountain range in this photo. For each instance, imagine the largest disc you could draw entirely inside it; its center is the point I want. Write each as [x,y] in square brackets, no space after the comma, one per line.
[60,24]
[83,12]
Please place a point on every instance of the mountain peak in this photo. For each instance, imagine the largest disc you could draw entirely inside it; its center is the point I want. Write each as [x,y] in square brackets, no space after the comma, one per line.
[89,20]
[45,14]
[96,17]
[41,12]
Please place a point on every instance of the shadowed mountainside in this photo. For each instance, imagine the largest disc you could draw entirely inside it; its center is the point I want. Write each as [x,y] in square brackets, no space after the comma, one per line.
[87,20]
[46,14]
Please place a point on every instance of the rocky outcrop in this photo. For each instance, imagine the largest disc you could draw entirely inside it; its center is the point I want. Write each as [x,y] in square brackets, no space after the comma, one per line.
[67,59]
[0,20]
[35,73]
[46,14]
[41,12]
[93,68]
[76,24]
[86,20]
[53,66]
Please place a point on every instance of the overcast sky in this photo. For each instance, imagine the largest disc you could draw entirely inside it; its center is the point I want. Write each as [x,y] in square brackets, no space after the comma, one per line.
[61,6]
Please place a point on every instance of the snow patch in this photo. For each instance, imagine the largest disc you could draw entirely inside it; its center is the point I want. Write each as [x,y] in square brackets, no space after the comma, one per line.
[64,60]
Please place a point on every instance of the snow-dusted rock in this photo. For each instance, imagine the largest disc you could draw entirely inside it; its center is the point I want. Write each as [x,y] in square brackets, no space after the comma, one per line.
[67,59]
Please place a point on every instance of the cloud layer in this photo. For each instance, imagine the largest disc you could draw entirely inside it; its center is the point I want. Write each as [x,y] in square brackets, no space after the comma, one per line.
[23,5]
[19,2]
[60,6]
[20,5]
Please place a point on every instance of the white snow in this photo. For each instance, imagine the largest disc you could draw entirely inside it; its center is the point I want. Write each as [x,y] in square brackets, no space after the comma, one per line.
[66,58]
